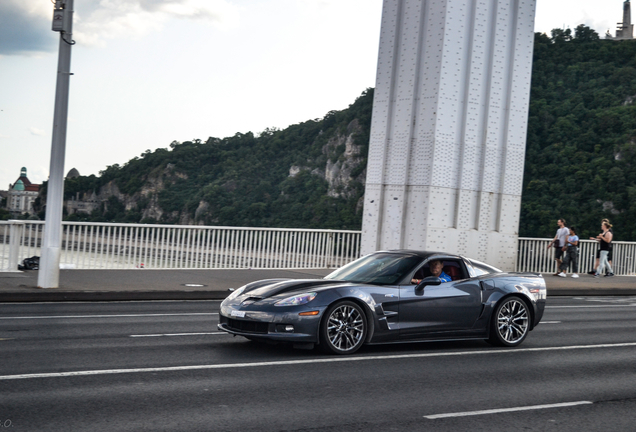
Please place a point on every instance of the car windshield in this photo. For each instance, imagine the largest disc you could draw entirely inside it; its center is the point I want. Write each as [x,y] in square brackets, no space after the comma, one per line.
[479,268]
[379,269]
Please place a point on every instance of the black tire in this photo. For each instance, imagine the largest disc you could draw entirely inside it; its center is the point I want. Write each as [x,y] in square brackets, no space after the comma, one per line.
[343,329]
[510,323]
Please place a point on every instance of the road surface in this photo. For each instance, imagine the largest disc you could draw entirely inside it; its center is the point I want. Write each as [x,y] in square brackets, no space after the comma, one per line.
[164,366]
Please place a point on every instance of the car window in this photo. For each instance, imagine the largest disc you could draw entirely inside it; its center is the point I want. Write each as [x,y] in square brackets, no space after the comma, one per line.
[450,266]
[477,268]
[380,269]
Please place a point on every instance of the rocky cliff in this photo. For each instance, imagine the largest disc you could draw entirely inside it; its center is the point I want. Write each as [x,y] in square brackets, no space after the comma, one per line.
[310,175]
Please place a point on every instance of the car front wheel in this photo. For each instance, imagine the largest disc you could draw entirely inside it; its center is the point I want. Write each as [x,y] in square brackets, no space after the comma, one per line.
[510,323]
[344,328]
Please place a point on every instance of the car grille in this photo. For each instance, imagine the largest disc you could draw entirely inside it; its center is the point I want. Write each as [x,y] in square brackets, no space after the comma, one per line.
[247,326]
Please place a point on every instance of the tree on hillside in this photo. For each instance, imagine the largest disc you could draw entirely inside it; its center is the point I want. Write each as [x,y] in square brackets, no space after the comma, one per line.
[560,36]
[583,33]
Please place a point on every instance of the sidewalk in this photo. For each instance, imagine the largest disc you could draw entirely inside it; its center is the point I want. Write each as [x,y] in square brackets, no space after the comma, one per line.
[138,284]
[122,285]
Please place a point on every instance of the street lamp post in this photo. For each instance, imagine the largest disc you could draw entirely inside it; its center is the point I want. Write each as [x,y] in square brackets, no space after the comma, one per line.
[49,273]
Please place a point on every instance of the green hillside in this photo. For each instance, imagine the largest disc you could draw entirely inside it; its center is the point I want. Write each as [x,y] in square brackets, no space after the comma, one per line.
[581,146]
[245,180]
[580,158]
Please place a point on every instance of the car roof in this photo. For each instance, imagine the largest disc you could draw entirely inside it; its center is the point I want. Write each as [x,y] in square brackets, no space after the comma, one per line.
[422,254]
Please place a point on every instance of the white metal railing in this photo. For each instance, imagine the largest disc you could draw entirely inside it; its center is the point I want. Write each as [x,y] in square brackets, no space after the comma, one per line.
[88,245]
[535,256]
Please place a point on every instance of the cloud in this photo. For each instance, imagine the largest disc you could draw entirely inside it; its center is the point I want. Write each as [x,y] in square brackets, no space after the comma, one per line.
[36,131]
[219,11]
[137,18]
[25,26]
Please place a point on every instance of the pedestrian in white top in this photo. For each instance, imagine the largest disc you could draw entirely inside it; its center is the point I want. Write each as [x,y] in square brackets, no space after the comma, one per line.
[572,255]
[559,243]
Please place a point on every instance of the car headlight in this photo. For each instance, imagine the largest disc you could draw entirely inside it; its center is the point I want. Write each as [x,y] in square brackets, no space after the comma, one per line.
[297,300]
[235,293]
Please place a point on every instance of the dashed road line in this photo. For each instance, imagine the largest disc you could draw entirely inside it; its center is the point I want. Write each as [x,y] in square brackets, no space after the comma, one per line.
[506,410]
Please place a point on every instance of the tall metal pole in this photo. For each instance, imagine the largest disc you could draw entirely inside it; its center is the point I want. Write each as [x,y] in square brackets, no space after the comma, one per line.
[49,273]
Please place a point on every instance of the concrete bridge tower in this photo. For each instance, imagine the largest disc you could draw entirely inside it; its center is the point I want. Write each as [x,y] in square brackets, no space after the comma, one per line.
[448,133]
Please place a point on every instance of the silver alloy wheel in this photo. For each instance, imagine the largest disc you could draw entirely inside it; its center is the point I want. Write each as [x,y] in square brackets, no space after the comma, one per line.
[512,321]
[345,328]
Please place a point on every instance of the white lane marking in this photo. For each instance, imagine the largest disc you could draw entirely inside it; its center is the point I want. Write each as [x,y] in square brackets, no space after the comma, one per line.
[550,322]
[179,334]
[308,361]
[107,316]
[613,300]
[591,307]
[504,410]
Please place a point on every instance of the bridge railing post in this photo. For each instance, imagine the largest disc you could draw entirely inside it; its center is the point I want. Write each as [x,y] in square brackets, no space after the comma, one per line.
[16,231]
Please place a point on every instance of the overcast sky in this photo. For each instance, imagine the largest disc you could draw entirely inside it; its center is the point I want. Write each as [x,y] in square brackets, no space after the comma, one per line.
[148,72]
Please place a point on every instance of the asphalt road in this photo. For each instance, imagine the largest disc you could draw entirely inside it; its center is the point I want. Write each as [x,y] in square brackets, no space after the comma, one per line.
[163,366]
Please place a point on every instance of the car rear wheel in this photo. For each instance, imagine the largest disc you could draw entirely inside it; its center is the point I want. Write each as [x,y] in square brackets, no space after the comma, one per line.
[510,323]
[344,328]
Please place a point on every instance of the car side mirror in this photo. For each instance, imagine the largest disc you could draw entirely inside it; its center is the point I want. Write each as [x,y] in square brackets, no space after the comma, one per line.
[430,280]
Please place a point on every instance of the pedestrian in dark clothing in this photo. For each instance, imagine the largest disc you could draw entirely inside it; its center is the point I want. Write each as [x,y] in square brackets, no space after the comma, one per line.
[598,252]
[605,241]
[571,255]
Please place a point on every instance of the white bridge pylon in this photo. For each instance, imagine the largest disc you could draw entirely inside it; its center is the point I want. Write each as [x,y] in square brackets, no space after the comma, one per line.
[448,133]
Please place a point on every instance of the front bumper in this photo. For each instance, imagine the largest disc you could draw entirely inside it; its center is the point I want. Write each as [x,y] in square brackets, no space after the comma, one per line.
[271,326]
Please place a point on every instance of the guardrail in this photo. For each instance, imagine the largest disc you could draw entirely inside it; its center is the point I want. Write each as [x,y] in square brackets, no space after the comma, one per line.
[534,256]
[88,245]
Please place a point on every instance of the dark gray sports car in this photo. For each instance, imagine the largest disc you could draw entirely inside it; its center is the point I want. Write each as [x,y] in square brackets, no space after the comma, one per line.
[388,297]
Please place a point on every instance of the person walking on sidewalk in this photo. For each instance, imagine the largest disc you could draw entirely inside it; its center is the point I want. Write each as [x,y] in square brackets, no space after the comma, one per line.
[572,254]
[559,243]
[598,252]
[605,240]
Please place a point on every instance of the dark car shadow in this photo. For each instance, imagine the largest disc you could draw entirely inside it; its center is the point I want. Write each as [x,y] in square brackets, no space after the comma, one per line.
[435,346]
[241,347]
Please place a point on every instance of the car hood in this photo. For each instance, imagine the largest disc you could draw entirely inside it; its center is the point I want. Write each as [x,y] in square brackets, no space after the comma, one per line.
[270,288]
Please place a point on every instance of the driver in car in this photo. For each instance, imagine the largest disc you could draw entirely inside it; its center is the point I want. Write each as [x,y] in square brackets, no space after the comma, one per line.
[436,268]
